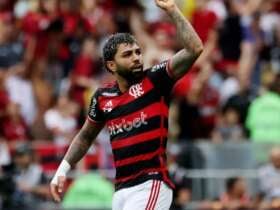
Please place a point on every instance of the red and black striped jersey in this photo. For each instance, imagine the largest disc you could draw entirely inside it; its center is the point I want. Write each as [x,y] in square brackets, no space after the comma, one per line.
[137,121]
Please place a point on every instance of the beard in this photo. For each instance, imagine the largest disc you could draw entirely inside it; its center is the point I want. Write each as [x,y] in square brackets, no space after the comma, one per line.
[132,76]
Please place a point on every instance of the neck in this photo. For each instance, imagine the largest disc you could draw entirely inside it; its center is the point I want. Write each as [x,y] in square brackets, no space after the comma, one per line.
[123,83]
[233,195]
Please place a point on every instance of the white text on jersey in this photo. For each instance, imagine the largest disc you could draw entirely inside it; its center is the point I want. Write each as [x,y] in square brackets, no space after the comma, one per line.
[125,125]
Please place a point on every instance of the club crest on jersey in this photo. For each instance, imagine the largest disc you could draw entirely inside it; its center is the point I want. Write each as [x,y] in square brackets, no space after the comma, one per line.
[108,106]
[136,90]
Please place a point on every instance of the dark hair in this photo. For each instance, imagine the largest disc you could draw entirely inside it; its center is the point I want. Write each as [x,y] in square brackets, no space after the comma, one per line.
[111,45]
[231,182]
[23,149]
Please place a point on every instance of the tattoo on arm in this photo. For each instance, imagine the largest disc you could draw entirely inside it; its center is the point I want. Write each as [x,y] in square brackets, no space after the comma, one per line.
[187,35]
[193,46]
[81,143]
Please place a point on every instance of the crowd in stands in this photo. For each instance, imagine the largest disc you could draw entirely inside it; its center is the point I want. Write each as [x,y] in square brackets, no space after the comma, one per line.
[50,64]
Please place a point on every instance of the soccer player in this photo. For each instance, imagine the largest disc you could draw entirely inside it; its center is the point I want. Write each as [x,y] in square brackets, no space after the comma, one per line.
[135,111]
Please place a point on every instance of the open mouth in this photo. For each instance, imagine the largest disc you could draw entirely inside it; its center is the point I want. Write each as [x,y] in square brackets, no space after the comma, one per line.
[137,69]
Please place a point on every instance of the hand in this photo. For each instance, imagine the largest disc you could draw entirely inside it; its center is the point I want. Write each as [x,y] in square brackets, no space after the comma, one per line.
[166,5]
[57,189]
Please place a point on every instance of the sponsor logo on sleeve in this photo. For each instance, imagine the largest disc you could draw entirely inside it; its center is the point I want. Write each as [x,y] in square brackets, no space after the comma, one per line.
[158,67]
[93,108]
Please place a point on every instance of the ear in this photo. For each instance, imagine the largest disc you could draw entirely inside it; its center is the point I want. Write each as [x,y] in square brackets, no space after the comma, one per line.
[111,65]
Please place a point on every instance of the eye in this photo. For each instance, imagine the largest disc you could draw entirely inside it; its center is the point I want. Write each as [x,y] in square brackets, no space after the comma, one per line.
[127,54]
[138,52]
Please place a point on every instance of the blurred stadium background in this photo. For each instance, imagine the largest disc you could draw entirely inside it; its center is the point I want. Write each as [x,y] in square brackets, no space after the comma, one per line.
[224,118]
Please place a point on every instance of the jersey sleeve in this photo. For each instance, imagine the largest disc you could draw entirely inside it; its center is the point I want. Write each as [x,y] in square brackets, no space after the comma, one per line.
[161,77]
[95,114]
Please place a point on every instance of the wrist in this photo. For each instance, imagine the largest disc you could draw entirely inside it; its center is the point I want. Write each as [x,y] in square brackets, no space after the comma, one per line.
[62,170]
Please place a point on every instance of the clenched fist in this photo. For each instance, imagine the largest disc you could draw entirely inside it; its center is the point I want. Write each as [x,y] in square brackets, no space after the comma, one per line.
[166,5]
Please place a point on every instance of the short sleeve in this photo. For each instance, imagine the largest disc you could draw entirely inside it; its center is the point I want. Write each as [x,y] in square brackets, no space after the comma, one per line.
[162,78]
[95,115]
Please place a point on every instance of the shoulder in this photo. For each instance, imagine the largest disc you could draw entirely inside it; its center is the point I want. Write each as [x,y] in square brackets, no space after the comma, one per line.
[265,170]
[107,90]
[159,66]
[258,100]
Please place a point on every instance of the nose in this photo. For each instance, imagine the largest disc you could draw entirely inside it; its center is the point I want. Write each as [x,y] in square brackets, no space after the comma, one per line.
[136,58]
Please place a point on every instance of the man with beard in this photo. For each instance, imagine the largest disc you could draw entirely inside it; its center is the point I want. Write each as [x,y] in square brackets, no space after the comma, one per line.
[135,111]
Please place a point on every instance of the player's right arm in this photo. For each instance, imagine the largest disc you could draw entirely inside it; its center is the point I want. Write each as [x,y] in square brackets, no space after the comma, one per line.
[82,141]
[78,148]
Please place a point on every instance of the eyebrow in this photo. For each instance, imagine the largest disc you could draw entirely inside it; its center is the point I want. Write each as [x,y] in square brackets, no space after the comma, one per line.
[128,51]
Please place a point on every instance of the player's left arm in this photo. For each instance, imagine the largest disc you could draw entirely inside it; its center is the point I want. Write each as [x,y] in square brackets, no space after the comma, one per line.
[181,62]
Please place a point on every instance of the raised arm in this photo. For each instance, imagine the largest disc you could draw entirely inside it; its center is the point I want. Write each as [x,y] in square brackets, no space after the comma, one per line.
[193,47]
[78,148]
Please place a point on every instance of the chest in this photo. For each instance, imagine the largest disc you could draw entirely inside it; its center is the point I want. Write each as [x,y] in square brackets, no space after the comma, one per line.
[136,109]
